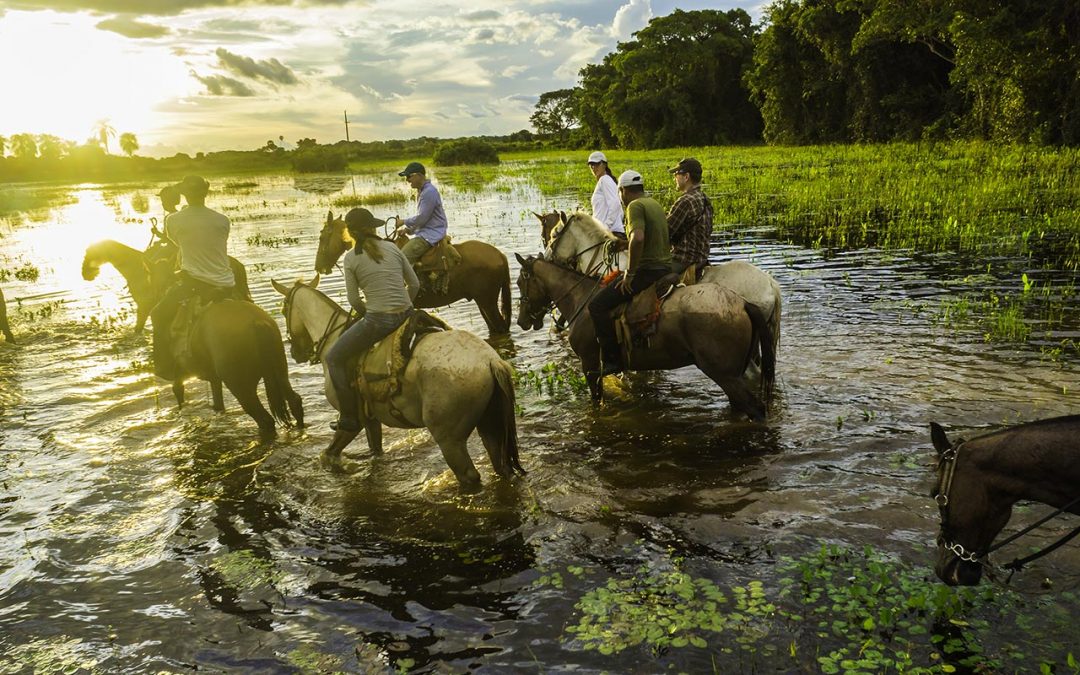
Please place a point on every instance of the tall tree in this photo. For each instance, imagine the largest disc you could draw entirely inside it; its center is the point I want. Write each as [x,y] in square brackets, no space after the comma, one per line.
[128,143]
[23,146]
[3,145]
[554,113]
[102,132]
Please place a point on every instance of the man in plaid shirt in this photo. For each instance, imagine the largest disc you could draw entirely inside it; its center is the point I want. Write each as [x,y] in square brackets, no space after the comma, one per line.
[690,220]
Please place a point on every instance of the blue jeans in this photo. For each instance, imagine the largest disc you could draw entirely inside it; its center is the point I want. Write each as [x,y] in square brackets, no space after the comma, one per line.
[354,342]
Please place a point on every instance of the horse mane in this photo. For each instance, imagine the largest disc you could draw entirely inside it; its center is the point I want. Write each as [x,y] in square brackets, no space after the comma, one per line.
[590,224]
[105,248]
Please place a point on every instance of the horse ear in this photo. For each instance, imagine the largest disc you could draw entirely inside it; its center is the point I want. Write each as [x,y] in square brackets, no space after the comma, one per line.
[937,435]
[329,217]
[562,216]
[278,287]
[538,217]
[522,261]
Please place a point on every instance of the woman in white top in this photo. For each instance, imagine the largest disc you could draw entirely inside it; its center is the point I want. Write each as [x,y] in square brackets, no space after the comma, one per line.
[606,206]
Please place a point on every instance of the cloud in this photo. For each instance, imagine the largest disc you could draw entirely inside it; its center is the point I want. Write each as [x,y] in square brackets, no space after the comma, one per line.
[219,85]
[271,70]
[482,15]
[482,35]
[155,7]
[133,29]
[631,18]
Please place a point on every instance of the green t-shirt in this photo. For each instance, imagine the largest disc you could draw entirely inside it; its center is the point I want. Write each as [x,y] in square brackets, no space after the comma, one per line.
[644,213]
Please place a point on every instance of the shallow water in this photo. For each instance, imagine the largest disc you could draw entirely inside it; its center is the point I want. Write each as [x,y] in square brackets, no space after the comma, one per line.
[139,537]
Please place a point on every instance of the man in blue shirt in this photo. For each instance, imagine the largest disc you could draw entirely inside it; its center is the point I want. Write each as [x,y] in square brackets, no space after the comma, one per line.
[429,223]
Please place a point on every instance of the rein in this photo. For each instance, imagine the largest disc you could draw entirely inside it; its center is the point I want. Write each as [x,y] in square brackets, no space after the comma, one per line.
[949,458]
[556,301]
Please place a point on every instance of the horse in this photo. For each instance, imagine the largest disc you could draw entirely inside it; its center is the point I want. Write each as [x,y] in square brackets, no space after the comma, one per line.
[4,327]
[148,273]
[704,325]
[453,383]
[237,343]
[483,275]
[979,480]
[583,242]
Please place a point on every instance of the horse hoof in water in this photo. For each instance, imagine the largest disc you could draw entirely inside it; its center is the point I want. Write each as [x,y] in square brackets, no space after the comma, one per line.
[331,456]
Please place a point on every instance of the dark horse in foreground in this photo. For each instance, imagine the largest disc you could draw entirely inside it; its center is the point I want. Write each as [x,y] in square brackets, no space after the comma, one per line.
[704,325]
[483,275]
[236,343]
[980,479]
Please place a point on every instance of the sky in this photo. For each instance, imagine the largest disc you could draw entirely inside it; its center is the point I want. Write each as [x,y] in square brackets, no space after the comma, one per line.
[206,75]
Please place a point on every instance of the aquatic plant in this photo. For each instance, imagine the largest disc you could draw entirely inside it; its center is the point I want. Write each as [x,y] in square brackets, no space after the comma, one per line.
[370,199]
[553,379]
[270,241]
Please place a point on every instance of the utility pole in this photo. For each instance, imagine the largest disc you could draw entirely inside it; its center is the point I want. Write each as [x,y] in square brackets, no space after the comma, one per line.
[346,126]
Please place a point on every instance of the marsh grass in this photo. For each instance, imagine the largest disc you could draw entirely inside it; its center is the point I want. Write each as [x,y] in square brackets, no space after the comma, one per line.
[14,201]
[371,199]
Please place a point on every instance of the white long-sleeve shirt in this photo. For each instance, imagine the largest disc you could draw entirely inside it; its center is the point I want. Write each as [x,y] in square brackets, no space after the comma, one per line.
[605,204]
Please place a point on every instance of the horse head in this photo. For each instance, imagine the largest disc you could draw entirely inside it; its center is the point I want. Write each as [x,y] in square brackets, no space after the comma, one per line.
[533,298]
[91,264]
[548,221]
[301,342]
[969,517]
[333,242]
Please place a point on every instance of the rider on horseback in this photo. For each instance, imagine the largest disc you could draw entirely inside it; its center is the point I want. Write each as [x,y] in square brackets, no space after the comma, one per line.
[649,259]
[429,223]
[202,235]
[690,220]
[380,269]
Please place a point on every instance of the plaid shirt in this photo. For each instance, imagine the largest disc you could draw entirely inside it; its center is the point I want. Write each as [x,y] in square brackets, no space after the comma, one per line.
[689,225]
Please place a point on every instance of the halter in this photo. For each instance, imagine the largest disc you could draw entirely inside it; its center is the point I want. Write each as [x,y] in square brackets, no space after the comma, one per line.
[948,459]
[331,326]
[603,250]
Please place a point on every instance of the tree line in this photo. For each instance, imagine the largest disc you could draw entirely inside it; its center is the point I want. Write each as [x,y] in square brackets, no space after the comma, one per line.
[832,71]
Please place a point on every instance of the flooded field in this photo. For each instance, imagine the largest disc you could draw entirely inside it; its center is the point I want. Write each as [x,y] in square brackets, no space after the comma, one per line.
[658,533]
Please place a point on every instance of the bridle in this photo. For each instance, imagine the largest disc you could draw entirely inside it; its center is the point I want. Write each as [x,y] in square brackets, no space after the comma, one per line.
[947,469]
[602,257]
[331,326]
[523,300]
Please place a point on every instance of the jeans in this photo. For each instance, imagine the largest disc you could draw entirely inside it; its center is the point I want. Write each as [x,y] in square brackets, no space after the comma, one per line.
[608,298]
[414,249]
[354,342]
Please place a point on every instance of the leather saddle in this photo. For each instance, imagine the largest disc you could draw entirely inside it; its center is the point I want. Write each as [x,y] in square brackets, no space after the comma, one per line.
[433,268]
[638,320]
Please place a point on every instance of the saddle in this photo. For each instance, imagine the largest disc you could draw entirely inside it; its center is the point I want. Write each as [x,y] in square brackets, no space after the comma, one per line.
[380,372]
[638,320]
[433,268]
[188,314]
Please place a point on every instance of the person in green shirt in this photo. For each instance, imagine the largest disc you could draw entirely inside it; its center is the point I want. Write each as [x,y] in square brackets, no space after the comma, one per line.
[649,259]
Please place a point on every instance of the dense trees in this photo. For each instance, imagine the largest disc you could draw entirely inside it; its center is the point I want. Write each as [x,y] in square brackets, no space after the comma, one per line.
[834,71]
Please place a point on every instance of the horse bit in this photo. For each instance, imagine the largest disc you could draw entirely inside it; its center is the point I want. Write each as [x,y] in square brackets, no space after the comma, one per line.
[949,458]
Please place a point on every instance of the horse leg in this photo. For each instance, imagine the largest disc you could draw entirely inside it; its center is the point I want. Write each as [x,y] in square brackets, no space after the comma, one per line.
[740,394]
[455,451]
[330,458]
[296,406]
[489,310]
[373,431]
[217,395]
[142,313]
[178,392]
[247,395]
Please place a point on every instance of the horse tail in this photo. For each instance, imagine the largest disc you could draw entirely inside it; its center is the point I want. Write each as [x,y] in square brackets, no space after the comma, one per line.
[498,424]
[763,338]
[504,297]
[271,352]
[774,319]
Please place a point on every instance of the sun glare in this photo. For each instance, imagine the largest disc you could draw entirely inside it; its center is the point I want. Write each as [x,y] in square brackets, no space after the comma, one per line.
[62,75]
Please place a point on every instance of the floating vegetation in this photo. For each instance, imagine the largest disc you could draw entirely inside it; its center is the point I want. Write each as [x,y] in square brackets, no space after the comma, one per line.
[269,241]
[52,655]
[553,379]
[370,199]
[242,570]
[835,610]
[26,271]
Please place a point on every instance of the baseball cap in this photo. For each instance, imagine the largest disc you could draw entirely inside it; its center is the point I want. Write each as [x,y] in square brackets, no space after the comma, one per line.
[629,178]
[597,157]
[411,168]
[689,165]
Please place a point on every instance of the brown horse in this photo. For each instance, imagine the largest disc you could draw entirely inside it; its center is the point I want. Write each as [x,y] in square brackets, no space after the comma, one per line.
[4,328]
[483,275]
[236,343]
[979,480]
[148,273]
[704,325]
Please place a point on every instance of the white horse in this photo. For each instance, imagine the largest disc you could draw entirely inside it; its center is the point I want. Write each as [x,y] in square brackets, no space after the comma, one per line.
[453,383]
[583,243]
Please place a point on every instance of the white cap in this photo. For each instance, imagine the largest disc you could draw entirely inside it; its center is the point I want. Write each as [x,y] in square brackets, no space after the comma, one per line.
[597,157]
[631,177]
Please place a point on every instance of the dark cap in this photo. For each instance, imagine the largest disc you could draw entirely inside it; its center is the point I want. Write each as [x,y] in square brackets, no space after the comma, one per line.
[690,166]
[193,186]
[361,218]
[413,167]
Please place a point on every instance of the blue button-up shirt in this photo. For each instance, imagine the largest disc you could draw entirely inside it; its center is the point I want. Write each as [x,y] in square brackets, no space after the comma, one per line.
[429,223]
